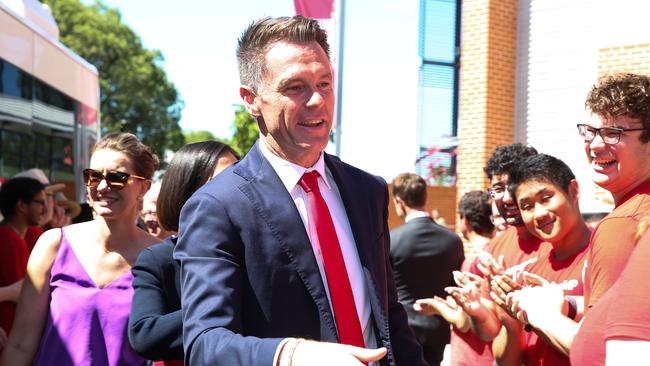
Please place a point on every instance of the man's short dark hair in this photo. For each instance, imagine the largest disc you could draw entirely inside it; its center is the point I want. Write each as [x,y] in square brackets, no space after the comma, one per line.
[265,32]
[541,168]
[622,94]
[476,207]
[17,189]
[410,188]
[505,157]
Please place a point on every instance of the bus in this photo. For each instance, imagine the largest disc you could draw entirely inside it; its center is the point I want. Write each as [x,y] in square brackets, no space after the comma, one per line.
[49,99]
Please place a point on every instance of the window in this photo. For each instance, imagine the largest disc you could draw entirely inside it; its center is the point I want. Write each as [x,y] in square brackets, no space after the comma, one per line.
[14,81]
[62,159]
[438,90]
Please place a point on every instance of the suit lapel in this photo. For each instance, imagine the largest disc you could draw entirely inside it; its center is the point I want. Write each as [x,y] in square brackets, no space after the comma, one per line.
[275,206]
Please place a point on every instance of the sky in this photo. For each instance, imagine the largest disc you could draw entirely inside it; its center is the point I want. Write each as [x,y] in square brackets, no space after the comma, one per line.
[198,39]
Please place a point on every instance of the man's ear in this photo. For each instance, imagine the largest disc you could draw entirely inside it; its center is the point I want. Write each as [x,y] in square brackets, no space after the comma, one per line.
[574,190]
[249,97]
[21,206]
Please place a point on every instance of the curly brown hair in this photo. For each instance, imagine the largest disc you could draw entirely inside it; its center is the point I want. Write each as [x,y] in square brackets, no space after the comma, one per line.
[622,94]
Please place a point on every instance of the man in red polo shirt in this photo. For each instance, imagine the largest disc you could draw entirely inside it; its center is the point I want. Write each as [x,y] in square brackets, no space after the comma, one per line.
[22,202]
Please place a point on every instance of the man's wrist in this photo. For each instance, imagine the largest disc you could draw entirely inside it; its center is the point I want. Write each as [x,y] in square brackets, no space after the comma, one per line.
[287,350]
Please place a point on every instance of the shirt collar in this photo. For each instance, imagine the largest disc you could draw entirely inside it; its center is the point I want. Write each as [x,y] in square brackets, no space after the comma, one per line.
[415,215]
[289,172]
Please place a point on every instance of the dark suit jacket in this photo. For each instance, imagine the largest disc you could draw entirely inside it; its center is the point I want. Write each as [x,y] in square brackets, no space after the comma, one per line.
[424,255]
[155,322]
[249,277]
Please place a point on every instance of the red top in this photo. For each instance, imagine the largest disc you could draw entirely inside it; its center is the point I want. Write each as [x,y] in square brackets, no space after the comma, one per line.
[514,249]
[31,236]
[13,264]
[567,273]
[622,313]
[611,243]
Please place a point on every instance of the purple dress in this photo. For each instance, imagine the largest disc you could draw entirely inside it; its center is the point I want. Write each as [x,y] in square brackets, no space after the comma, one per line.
[86,325]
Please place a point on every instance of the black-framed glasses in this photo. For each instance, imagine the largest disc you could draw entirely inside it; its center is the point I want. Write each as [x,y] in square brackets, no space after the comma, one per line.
[610,135]
[40,202]
[114,180]
[496,192]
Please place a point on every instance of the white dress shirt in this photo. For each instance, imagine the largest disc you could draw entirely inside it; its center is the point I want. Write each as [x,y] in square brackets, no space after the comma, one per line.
[290,174]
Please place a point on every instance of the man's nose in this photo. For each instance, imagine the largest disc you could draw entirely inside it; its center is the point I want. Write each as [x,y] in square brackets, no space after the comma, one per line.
[597,142]
[541,213]
[315,99]
[507,199]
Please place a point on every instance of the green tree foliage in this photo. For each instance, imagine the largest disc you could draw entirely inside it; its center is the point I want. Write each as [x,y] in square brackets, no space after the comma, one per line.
[245,132]
[198,136]
[136,95]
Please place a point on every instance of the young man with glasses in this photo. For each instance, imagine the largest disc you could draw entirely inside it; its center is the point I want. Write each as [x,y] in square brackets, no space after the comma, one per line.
[512,250]
[616,143]
[22,202]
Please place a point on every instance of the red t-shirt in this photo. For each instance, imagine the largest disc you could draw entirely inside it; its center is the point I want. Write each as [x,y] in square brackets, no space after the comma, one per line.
[612,243]
[467,349]
[31,236]
[567,273]
[13,264]
[514,249]
[622,313]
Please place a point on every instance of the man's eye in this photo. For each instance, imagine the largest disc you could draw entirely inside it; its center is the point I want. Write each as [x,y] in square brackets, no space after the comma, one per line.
[324,85]
[294,88]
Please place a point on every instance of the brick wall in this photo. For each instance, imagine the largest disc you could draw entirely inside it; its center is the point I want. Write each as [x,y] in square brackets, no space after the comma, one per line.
[442,198]
[633,58]
[487,86]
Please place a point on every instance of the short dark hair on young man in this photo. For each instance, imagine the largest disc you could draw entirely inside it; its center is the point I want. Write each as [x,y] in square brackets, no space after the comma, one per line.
[476,207]
[410,188]
[622,94]
[263,33]
[541,168]
[17,189]
[190,168]
[505,157]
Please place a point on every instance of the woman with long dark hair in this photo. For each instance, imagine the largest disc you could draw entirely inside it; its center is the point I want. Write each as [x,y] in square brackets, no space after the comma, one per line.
[155,325]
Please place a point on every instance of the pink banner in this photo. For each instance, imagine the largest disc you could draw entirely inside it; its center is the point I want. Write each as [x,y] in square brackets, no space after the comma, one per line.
[317,9]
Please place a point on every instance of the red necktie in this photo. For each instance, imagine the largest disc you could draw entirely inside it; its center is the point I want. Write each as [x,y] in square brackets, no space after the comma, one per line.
[345,311]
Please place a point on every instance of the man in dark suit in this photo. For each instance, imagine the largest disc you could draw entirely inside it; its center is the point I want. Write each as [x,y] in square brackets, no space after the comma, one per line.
[284,256]
[423,255]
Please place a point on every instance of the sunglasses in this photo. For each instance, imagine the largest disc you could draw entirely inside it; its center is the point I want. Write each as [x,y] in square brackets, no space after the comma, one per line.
[114,180]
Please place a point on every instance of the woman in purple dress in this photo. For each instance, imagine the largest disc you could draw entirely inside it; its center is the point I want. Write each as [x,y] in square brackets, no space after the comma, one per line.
[76,297]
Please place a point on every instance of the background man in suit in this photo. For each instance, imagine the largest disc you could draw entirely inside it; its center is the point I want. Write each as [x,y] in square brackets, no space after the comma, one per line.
[285,254]
[423,255]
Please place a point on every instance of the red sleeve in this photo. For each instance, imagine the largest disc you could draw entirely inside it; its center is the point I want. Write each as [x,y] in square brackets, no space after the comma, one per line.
[14,261]
[630,317]
[610,249]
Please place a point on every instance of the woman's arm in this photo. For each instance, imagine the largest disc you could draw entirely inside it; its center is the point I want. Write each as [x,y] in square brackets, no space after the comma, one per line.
[155,323]
[33,302]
